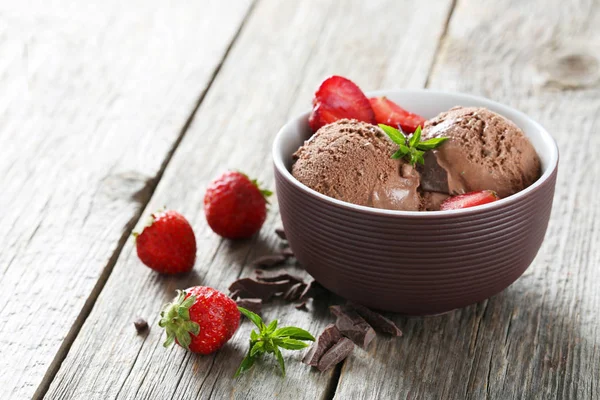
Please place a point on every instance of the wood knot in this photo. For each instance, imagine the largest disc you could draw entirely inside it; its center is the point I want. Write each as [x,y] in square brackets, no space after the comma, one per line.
[564,69]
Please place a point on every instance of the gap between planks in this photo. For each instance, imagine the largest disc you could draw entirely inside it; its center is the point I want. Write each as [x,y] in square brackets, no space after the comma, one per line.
[143,197]
[441,41]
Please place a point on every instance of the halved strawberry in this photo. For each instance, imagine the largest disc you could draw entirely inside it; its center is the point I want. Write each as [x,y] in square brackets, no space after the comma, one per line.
[389,113]
[469,200]
[338,98]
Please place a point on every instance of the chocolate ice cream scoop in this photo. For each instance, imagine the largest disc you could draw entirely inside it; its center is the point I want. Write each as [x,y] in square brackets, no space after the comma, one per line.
[484,151]
[350,161]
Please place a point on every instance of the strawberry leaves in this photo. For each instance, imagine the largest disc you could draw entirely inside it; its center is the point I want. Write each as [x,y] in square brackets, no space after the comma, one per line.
[175,318]
[413,149]
[269,339]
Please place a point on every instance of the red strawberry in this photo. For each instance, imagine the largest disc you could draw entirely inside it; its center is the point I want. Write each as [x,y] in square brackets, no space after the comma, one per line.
[469,200]
[339,98]
[389,113]
[168,244]
[235,206]
[200,319]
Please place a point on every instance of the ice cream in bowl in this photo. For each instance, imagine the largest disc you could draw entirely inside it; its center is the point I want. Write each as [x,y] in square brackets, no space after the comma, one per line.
[416,212]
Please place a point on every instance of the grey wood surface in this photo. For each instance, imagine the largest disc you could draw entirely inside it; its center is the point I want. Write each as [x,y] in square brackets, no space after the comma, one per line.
[93,100]
[103,141]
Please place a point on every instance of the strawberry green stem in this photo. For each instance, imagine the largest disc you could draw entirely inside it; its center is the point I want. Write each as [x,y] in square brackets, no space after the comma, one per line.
[175,319]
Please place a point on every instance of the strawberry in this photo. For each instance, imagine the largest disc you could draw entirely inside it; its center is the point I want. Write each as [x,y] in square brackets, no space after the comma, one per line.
[339,98]
[469,200]
[200,319]
[168,244]
[389,113]
[235,206]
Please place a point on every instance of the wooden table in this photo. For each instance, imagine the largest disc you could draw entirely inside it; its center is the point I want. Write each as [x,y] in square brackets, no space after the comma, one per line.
[110,111]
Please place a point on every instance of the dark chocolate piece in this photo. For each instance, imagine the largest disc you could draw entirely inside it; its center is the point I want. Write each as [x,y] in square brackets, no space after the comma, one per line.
[254,305]
[235,294]
[269,260]
[294,292]
[281,233]
[276,275]
[249,288]
[376,320]
[330,336]
[352,325]
[140,325]
[336,354]
[433,177]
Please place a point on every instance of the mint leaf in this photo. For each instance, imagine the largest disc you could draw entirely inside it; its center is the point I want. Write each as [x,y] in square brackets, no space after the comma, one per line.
[413,149]
[290,344]
[415,138]
[258,348]
[394,134]
[431,143]
[253,317]
[272,326]
[246,364]
[280,360]
[294,333]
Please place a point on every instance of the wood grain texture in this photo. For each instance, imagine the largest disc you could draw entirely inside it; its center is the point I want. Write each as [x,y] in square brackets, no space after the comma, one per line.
[93,100]
[271,72]
[540,338]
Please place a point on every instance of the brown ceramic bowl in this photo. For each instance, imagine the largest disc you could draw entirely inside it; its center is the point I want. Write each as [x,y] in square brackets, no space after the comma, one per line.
[416,263]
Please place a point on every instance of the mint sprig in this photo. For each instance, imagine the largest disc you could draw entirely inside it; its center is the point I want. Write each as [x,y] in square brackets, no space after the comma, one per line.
[269,339]
[412,149]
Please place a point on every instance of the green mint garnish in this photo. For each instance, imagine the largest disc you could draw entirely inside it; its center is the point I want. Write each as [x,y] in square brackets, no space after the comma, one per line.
[412,149]
[269,339]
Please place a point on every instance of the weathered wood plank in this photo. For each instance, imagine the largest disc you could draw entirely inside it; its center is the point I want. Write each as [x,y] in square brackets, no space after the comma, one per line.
[539,339]
[93,100]
[271,72]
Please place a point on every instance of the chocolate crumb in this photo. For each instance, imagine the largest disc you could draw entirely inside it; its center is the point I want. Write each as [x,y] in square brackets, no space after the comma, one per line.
[287,252]
[301,306]
[352,325]
[376,320]
[281,233]
[140,325]
[276,275]
[336,354]
[269,260]
[250,288]
[254,305]
[330,336]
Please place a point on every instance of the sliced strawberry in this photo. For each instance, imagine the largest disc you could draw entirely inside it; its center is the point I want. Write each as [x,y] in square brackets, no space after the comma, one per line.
[469,200]
[389,113]
[338,98]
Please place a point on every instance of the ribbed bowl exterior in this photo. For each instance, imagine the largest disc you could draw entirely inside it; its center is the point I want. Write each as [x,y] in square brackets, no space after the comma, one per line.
[410,264]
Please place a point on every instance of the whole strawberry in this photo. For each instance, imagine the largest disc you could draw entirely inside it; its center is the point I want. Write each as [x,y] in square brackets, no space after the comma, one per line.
[200,319]
[168,244]
[235,206]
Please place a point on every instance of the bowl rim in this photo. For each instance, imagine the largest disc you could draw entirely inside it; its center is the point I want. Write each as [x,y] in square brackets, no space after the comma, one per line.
[547,138]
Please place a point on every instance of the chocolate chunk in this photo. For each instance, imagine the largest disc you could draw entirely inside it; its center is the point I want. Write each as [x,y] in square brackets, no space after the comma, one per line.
[140,325]
[336,354]
[294,292]
[301,306]
[312,289]
[234,295]
[254,305]
[249,288]
[287,252]
[276,275]
[352,325]
[433,177]
[330,336]
[281,233]
[376,320]
[269,260]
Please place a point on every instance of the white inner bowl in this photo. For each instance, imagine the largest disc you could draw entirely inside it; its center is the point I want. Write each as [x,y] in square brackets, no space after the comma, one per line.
[427,103]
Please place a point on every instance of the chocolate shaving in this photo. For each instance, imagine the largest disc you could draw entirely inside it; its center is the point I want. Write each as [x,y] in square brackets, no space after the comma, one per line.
[287,252]
[281,233]
[376,320]
[249,288]
[269,260]
[330,336]
[140,325]
[352,325]
[336,354]
[301,306]
[294,292]
[235,294]
[312,289]
[254,305]
[276,275]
